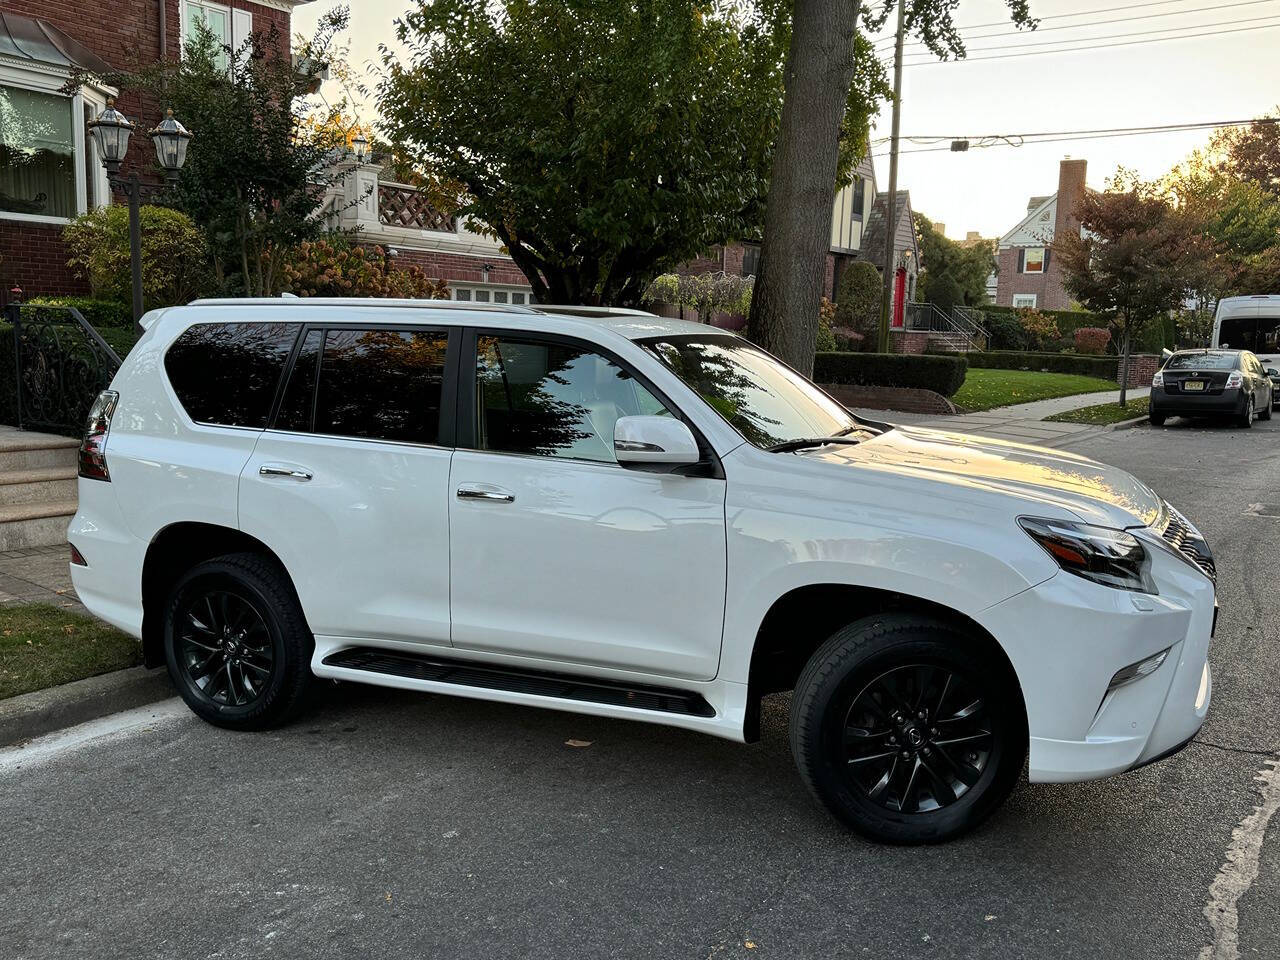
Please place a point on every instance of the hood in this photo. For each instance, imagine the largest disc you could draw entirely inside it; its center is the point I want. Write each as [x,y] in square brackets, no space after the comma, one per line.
[1094,492]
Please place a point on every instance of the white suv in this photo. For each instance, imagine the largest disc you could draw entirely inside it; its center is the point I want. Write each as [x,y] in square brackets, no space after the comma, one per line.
[629,516]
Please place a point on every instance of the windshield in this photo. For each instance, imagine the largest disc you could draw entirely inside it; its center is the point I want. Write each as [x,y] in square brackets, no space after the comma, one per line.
[1202,361]
[765,400]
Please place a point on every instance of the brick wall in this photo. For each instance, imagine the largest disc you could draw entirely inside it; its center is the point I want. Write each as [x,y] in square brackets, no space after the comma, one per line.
[33,257]
[908,341]
[1142,367]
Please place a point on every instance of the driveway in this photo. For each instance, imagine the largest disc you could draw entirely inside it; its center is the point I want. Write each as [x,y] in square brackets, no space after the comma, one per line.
[400,825]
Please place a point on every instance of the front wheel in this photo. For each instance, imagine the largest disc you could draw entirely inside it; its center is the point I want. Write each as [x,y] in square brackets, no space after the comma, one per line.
[903,728]
[236,643]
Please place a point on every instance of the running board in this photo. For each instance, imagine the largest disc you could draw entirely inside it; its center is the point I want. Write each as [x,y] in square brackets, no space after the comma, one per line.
[561,686]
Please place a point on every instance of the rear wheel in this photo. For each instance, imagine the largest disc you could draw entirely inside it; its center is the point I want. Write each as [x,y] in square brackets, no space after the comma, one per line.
[1265,414]
[1245,419]
[236,642]
[905,730]
[1157,419]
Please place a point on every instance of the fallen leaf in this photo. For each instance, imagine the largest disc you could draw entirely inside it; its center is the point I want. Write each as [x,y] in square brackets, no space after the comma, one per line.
[577,743]
[750,945]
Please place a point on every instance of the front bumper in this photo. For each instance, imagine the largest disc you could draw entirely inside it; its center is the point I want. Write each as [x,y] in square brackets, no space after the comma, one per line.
[1194,404]
[1068,637]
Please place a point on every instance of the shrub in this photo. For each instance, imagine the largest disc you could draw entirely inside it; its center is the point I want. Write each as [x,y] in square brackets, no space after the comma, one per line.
[1042,330]
[175,262]
[1092,340]
[1007,333]
[710,294]
[847,339]
[826,337]
[99,313]
[1104,367]
[336,268]
[942,374]
[858,301]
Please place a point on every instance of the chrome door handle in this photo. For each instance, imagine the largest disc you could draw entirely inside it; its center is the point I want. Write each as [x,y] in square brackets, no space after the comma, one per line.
[471,493]
[269,471]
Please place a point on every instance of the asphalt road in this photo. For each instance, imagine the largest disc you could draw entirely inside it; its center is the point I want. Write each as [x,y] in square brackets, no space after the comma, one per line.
[396,825]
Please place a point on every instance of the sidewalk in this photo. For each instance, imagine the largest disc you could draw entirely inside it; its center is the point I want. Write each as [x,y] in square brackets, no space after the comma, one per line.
[1022,423]
[37,575]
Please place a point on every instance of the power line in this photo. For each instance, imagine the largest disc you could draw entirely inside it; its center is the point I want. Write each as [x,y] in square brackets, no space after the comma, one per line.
[1008,140]
[1061,16]
[1154,128]
[1093,46]
[1083,26]
[1114,36]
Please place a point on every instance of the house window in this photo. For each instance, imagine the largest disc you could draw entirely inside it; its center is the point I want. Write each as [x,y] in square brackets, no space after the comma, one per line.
[479,294]
[231,28]
[859,196]
[37,153]
[1024,300]
[750,259]
[1033,260]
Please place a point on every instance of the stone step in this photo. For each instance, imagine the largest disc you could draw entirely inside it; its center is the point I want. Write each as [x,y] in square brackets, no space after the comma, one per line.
[24,525]
[37,485]
[23,450]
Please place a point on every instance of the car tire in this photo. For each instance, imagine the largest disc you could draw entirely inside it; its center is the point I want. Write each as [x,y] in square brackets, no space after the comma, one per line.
[891,776]
[1157,419]
[1245,418]
[1266,410]
[236,642]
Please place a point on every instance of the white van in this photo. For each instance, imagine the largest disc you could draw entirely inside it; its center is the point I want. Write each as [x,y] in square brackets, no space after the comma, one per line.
[1249,323]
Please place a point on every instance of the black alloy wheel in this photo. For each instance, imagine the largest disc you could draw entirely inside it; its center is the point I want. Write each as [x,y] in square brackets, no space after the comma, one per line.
[224,648]
[917,738]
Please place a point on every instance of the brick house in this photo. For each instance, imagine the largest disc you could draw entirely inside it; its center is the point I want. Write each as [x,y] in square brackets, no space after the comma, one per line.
[49,171]
[1027,274]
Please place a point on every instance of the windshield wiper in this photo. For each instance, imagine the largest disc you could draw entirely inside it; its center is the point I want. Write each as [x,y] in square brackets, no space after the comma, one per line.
[788,445]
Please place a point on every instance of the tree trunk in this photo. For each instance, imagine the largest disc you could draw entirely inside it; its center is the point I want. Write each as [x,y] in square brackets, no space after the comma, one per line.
[1124,367]
[802,182]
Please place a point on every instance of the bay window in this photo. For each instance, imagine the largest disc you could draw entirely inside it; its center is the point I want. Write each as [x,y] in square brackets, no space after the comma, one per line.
[37,153]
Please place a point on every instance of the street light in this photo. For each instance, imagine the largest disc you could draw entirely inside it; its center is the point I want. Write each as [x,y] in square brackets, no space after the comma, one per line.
[360,147]
[111,132]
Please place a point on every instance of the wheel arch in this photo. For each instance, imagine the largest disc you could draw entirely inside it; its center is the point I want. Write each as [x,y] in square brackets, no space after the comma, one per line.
[173,551]
[781,650]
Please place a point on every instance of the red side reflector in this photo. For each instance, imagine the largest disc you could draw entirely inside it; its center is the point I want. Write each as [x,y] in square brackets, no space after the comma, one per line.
[77,557]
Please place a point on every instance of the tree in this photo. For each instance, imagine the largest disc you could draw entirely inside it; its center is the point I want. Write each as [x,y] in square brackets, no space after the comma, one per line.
[1136,256]
[821,67]
[954,275]
[603,143]
[254,177]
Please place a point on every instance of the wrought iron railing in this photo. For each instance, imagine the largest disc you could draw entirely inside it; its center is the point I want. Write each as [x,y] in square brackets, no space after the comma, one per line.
[960,327]
[402,205]
[61,363]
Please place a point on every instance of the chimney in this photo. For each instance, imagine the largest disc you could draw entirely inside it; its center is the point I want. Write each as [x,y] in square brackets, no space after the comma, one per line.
[941,228]
[1070,189]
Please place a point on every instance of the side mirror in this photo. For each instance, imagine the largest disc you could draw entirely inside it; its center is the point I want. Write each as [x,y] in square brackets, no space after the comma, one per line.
[1273,372]
[659,440]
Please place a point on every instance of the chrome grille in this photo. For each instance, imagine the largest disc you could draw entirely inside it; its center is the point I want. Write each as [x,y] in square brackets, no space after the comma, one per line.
[1183,538]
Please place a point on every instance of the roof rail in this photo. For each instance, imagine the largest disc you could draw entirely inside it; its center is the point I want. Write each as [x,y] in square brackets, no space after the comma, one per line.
[362,302]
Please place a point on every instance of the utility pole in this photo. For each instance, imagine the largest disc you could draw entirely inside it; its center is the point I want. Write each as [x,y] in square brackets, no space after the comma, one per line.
[890,212]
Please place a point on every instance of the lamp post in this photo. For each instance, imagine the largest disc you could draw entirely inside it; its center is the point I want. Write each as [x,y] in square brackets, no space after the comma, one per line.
[111,132]
[360,147]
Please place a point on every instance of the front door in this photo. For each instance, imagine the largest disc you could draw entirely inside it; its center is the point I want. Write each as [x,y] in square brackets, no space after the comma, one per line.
[559,553]
[349,483]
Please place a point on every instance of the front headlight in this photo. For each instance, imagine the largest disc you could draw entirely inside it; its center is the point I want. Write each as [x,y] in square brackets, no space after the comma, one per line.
[1110,557]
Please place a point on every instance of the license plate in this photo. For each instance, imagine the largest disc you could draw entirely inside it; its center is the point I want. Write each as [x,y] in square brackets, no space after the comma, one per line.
[1193,385]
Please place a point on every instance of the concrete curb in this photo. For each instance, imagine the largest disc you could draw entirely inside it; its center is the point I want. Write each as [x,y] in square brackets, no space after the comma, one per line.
[44,711]
[1126,424]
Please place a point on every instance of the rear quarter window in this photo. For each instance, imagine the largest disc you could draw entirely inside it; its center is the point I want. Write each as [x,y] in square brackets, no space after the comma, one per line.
[227,373]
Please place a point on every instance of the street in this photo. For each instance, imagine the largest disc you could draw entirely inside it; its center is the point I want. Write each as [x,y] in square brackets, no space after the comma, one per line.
[403,825]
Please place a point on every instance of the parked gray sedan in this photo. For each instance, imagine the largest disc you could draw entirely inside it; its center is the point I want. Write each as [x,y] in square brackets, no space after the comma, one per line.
[1200,383]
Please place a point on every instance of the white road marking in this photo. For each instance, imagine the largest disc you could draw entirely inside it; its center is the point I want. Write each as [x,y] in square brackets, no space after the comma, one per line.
[61,742]
[1239,871]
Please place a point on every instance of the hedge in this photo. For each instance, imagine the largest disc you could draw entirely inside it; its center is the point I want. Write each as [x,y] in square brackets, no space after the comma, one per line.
[99,313]
[1089,366]
[942,374]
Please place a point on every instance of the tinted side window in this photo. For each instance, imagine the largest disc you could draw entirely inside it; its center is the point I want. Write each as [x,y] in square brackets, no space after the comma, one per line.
[227,373]
[553,400]
[300,392]
[381,384]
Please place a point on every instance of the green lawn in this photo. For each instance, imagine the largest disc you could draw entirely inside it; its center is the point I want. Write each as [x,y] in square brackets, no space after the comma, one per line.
[985,389]
[1105,412]
[42,645]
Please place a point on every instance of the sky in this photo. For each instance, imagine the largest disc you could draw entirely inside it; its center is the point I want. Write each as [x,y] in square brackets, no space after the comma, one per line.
[1228,76]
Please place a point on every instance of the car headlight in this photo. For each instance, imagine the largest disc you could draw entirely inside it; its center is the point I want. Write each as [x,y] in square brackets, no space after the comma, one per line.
[1110,557]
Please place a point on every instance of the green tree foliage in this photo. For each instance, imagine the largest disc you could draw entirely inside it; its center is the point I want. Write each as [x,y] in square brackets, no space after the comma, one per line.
[858,301]
[1137,258]
[707,293]
[602,143]
[954,275]
[174,255]
[254,177]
